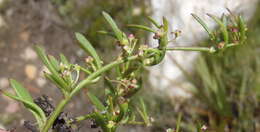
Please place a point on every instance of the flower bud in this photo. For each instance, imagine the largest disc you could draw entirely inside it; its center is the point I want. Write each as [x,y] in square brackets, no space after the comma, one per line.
[221,45]
[131,37]
[177,33]
[233,29]
[204,128]
[111,124]
[89,59]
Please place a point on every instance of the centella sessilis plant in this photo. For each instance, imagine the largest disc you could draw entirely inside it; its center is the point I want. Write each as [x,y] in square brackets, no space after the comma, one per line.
[117,108]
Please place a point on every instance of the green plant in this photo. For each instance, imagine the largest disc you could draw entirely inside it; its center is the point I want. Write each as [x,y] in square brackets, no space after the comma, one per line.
[227,86]
[117,108]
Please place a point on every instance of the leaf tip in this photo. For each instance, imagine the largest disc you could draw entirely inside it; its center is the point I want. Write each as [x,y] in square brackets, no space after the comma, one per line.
[104,13]
[77,34]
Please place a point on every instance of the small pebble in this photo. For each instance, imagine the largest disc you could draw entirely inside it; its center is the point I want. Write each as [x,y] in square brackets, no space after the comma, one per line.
[25,36]
[29,54]
[4,83]
[30,71]
[12,107]
[40,82]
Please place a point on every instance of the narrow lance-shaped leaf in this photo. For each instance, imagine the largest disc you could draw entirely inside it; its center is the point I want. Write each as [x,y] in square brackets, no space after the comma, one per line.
[21,91]
[23,94]
[106,33]
[64,60]
[143,112]
[143,107]
[242,29]
[56,82]
[54,62]
[48,64]
[37,111]
[224,19]
[178,123]
[141,27]
[203,24]
[100,120]
[110,86]
[222,26]
[123,110]
[94,100]
[165,24]
[117,31]
[153,22]
[85,44]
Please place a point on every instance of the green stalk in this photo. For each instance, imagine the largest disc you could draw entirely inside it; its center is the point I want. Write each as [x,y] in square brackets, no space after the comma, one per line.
[203,49]
[88,80]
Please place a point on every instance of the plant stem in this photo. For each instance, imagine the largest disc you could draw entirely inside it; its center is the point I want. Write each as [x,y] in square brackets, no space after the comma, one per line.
[135,123]
[203,49]
[56,113]
[83,83]
[99,72]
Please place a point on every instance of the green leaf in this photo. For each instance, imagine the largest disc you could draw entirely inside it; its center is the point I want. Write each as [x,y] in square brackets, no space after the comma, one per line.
[64,60]
[143,112]
[178,123]
[21,91]
[48,64]
[24,96]
[87,47]
[153,22]
[34,108]
[107,33]
[165,24]
[144,108]
[203,24]
[123,110]
[55,81]
[54,62]
[100,120]
[242,29]
[94,100]
[141,27]
[116,30]
[224,19]
[223,27]
[109,84]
